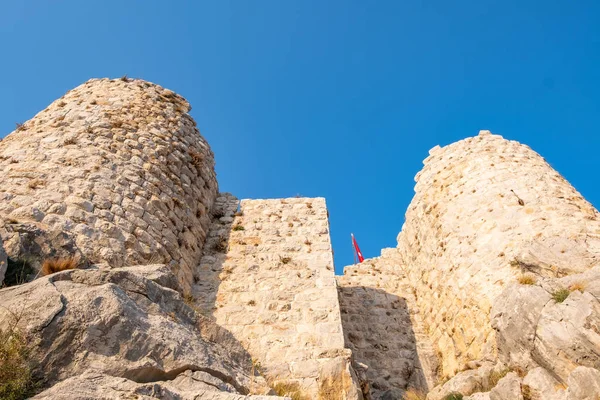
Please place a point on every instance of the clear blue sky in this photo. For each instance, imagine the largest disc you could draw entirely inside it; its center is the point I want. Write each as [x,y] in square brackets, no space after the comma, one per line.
[340,99]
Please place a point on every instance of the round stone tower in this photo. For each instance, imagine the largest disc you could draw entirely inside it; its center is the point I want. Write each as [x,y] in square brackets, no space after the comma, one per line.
[113,172]
[485,211]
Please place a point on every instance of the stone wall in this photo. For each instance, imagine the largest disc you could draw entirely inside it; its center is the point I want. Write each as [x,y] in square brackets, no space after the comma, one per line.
[267,276]
[115,171]
[485,210]
[383,327]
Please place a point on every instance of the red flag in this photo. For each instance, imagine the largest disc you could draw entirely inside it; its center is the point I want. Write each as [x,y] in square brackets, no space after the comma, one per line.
[357,249]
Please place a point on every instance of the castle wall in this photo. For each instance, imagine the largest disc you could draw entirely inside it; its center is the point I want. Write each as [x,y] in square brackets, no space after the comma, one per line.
[485,210]
[267,276]
[117,170]
[383,327]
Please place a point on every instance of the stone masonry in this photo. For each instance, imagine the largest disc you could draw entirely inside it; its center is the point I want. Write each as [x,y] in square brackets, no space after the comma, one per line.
[384,328]
[471,228]
[267,276]
[118,170]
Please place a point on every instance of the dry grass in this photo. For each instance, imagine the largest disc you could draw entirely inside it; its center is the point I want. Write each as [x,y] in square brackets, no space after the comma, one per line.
[15,374]
[577,286]
[414,394]
[54,265]
[291,390]
[526,279]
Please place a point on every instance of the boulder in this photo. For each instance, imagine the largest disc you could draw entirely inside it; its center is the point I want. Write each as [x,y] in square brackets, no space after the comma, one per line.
[97,386]
[121,323]
[540,384]
[507,388]
[584,384]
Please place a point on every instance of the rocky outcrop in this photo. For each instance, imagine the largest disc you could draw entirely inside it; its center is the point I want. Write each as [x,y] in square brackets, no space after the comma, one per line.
[187,386]
[114,171]
[124,323]
[3,261]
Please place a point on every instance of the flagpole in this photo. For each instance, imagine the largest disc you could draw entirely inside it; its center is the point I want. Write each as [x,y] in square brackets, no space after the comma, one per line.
[353,249]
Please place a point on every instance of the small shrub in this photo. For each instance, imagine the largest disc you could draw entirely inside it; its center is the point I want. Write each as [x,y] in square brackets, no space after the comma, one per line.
[577,286]
[454,396]
[288,389]
[560,295]
[526,279]
[124,78]
[239,228]
[414,394]
[19,127]
[15,374]
[495,377]
[54,265]
[285,260]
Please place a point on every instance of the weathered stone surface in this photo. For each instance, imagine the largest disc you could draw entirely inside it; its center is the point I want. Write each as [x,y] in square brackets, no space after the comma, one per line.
[96,386]
[383,328]
[465,383]
[508,388]
[119,323]
[533,329]
[480,204]
[119,167]
[266,275]
[540,384]
[584,384]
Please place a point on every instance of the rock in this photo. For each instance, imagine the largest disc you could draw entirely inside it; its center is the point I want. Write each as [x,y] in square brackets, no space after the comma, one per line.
[508,388]
[478,396]
[120,323]
[33,243]
[3,262]
[538,383]
[97,386]
[567,334]
[515,316]
[584,384]
[465,383]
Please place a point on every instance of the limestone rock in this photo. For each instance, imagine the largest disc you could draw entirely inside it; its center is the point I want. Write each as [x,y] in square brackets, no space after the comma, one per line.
[119,323]
[540,384]
[465,383]
[533,329]
[97,386]
[584,384]
[508,388]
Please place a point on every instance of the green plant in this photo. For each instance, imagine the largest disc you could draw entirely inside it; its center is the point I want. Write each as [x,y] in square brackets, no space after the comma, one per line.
[239,228]
[453,396]
[560,295]
[15,373]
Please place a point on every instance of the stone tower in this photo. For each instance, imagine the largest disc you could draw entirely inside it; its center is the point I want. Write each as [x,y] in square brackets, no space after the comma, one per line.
[115,172]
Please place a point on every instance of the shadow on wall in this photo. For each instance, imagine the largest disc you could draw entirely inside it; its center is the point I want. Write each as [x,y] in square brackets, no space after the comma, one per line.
[378,329]
[208,274]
